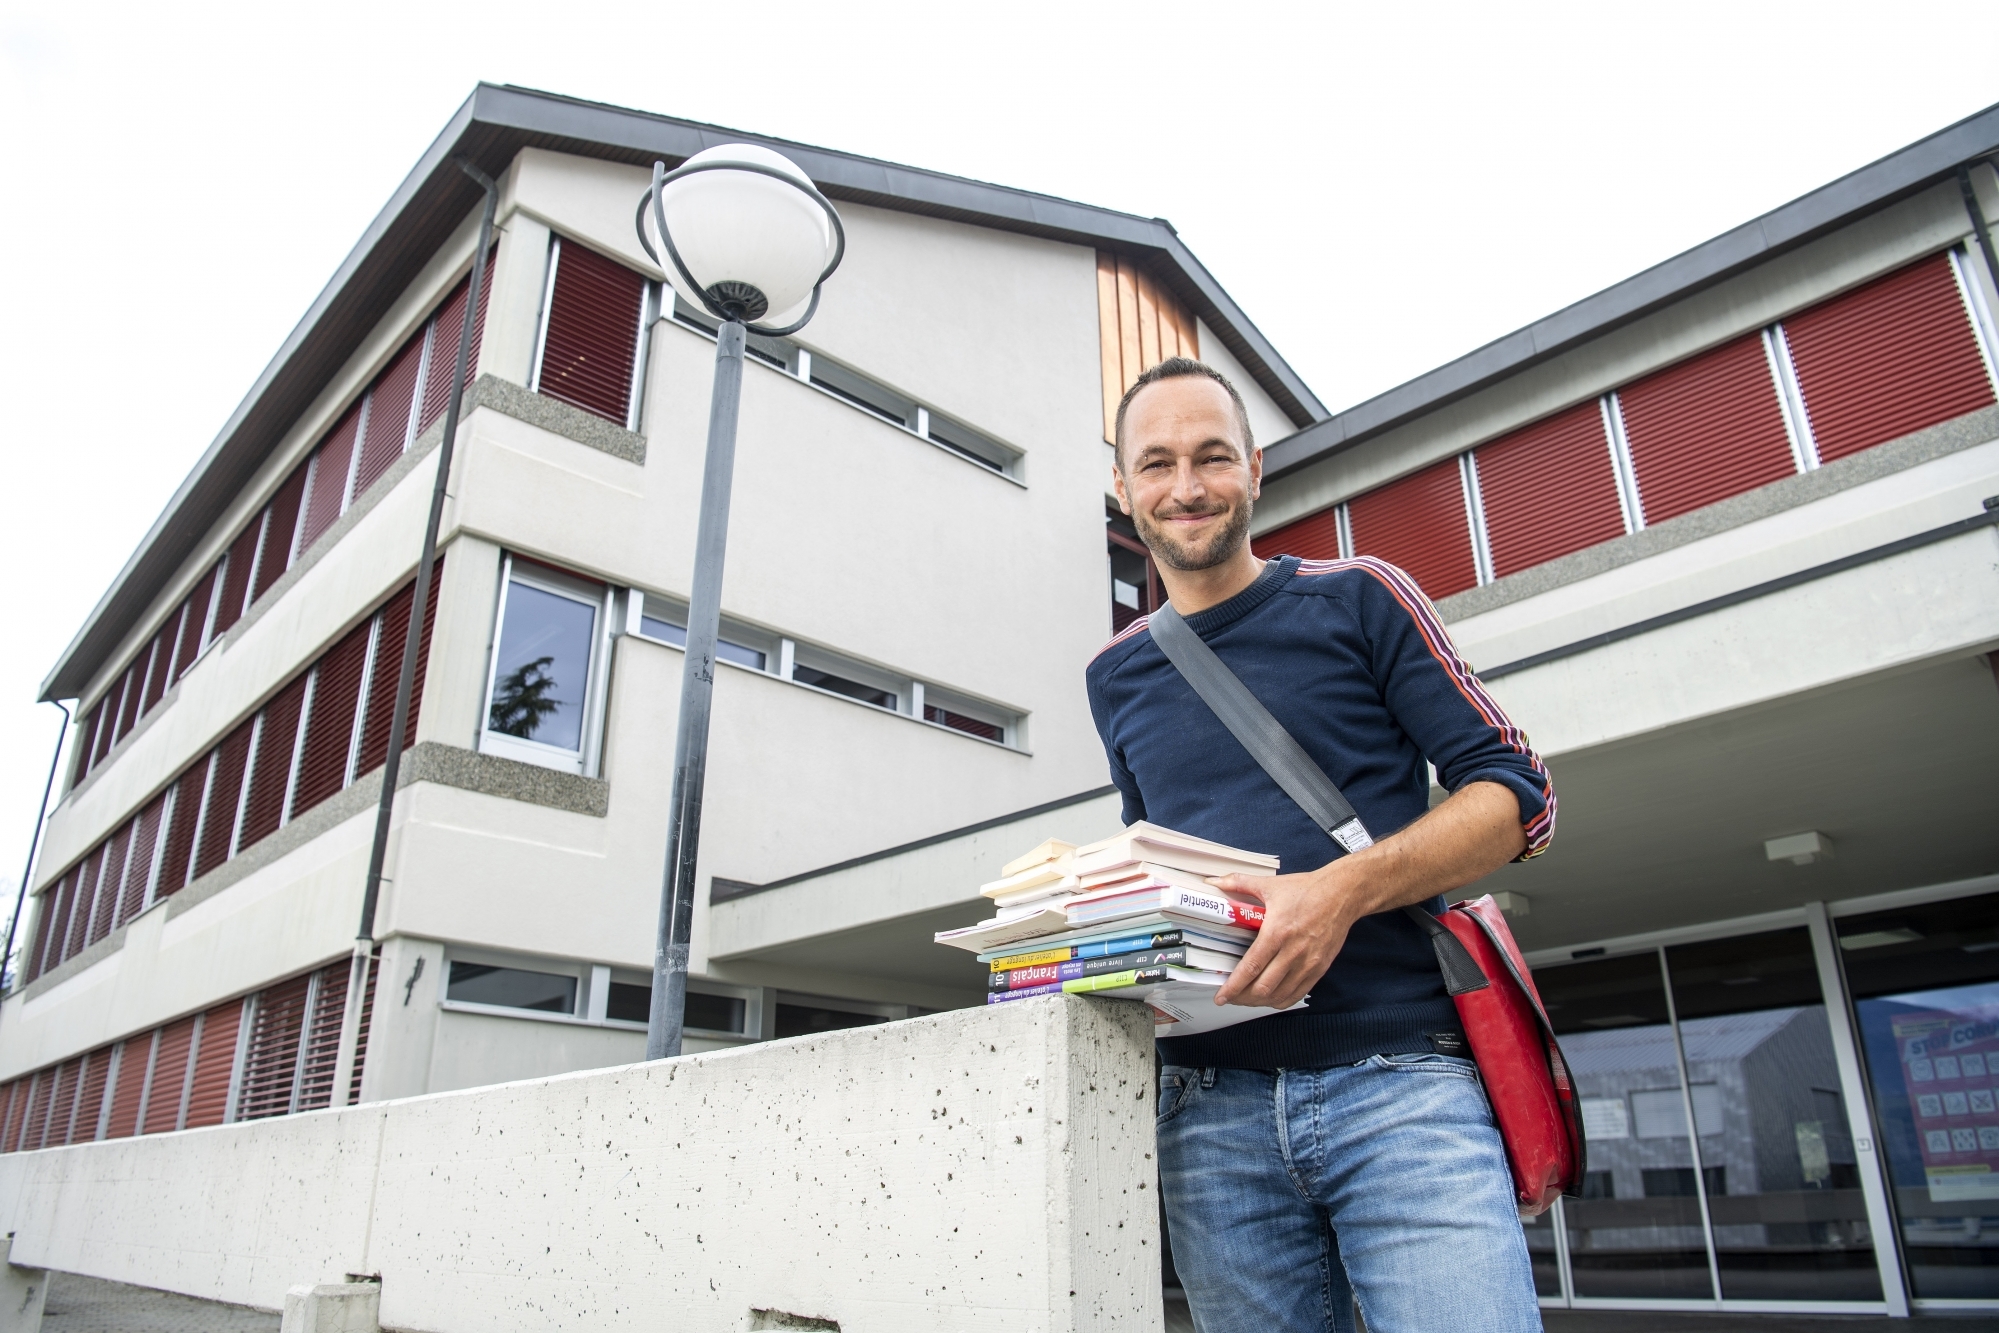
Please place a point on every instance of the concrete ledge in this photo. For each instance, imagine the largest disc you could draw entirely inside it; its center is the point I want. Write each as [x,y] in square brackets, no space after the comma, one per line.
[559,418]
[986,1169]
[1948,437]
[494,775]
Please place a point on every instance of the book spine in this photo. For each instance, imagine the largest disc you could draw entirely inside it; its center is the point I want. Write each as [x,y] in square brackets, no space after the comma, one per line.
[1131,976]
[1184,902]
[1165,939]
[1040,975]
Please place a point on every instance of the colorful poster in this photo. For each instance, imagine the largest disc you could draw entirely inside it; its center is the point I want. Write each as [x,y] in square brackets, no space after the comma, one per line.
[1950,1064]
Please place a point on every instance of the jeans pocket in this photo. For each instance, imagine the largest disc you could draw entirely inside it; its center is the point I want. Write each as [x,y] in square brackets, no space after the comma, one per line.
[1177,1086]
[1426,1062]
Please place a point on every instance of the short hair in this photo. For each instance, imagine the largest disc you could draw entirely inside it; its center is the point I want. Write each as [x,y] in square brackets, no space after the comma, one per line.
[1173,368]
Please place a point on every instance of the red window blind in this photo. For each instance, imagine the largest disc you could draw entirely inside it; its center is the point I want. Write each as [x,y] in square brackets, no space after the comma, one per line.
[592,332]
[387,674]
[90,1098]
[236,578]
[86,895]
[104,911]
[322,1039]
[276,556]
[270,1063]
[1548,489]
[271,772]
[367,1022]
[971,726]
[1419,523]
[86,741]
[218,823]
[1705,429]
[163,1102]
[194,625]
[62,1105]
[10,1117]
[1316,537]
[103,734]
[139,862]
[160,661]
[214,1059]
[326,497]
[128,699]
[37,1112]
[134,1058]
[329,731]
[179,851]
[388,424]
[1887,359]
[46,927]
[446,327]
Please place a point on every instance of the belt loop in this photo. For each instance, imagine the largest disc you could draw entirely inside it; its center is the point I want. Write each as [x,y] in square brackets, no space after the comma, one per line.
[1208,1077]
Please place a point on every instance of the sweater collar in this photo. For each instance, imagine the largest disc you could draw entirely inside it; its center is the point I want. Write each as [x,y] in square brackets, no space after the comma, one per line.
[1276,573]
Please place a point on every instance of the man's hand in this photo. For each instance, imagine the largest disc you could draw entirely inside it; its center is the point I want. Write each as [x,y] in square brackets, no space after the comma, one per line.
[1307,916]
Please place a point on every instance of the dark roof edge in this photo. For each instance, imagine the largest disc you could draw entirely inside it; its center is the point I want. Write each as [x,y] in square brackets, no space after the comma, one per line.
[1866,190]
[491,127]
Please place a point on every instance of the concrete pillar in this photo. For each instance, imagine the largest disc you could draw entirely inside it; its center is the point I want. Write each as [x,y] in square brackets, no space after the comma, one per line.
[23,1293]
[333,1307]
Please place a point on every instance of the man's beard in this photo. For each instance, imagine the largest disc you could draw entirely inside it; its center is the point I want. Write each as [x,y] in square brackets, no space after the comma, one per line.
[1174,554]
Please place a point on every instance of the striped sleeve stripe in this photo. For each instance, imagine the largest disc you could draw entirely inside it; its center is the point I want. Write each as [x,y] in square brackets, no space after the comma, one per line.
[1129,630]
[1540,830]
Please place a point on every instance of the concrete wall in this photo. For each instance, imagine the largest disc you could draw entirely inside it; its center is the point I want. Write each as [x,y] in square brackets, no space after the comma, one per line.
[990,1169]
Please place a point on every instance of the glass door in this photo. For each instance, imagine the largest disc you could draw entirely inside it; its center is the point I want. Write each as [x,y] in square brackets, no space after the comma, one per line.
[1777,1162]
[1925,984]
[1636,1233]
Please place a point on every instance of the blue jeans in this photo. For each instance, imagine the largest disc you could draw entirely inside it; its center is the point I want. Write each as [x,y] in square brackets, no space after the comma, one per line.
[1290,1193]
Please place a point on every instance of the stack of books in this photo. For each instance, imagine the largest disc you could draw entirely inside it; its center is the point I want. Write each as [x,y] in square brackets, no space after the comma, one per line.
[1132,916]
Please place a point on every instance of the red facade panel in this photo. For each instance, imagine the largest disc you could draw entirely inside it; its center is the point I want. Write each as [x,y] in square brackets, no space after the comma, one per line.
[271,772]
[139,861]
[280,532]
[1548,489]
[1705,429]
[1316,537]
[194,625]
[163,1104]
[178,854]
[134,1057]
[329,728]
[1419,523]
[236,573]
[1889,358]
[389,406]
[446,327]
[270,1064]
[326,497]
[214,1059]
[593,333]
[225,791]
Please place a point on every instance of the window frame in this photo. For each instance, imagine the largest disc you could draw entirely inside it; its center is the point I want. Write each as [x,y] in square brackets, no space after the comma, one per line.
[587,758]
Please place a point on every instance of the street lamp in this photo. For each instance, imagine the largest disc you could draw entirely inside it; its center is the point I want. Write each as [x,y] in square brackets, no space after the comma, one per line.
[749,240]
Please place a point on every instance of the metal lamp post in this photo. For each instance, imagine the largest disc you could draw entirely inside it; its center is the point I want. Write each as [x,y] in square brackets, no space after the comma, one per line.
[747,238]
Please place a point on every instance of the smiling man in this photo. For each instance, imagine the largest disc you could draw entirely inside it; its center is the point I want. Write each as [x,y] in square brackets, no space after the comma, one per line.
[1344,1151]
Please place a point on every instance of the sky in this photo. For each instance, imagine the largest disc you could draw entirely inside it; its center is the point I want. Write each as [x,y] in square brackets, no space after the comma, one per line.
[1382,188]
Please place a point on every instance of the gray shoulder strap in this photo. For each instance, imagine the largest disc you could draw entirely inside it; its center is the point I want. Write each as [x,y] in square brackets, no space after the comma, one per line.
[1278,751]
[1261,734]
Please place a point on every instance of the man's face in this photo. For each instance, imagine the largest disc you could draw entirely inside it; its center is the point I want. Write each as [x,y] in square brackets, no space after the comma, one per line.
[1187,479]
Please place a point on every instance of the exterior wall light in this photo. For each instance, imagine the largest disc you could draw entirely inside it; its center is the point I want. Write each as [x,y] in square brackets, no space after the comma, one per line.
[1800,849]
[750,240]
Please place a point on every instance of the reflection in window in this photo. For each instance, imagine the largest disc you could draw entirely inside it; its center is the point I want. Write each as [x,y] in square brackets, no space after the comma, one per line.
[668,632]
[631,1002]
[511,988]
[1925,982]
[799,1020]
[541,668]
[853,689]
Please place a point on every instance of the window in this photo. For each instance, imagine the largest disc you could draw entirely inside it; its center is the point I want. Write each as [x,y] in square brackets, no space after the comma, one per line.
[592,346]
[511,988]
[853,689]
[659,619]
[803,1015]
[1135,589]
[869,395]
[542,698]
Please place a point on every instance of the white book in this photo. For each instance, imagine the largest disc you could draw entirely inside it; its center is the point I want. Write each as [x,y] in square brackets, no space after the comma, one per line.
[1051,851]
[1033,877]
[1145,843]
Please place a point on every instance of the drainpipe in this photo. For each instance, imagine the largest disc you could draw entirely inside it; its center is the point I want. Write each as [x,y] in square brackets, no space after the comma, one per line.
[1978,220]
[364,939]
[35,842]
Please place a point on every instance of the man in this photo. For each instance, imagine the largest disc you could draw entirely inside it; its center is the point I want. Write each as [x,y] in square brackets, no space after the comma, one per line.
[1344,1151]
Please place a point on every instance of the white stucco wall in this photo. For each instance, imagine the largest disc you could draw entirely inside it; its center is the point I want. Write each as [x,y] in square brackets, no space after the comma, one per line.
[989,1169]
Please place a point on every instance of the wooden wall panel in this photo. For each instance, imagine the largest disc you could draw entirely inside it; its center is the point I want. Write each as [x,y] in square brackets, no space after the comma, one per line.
[1139,324]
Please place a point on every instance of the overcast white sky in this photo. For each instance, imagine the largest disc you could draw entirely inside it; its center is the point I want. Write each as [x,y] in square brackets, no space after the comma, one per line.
[1380,187]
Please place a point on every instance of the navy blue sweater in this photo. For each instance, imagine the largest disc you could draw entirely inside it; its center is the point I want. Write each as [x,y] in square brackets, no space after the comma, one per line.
[1352,659]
